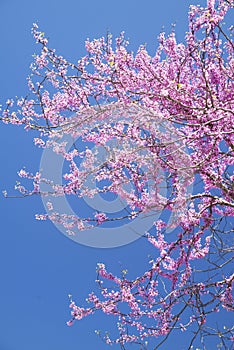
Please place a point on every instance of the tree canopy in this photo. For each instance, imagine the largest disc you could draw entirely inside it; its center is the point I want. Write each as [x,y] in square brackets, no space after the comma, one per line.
[163,126]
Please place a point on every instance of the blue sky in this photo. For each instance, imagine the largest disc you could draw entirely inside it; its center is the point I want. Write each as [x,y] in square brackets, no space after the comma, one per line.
[39,266]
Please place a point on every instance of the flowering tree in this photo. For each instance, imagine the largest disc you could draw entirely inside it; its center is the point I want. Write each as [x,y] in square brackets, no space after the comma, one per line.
[166,119]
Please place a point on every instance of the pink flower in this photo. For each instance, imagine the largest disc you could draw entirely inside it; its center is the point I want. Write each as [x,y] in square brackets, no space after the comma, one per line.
[101,217]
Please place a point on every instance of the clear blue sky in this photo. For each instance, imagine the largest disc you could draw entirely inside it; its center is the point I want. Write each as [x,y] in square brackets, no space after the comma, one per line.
[39,266]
